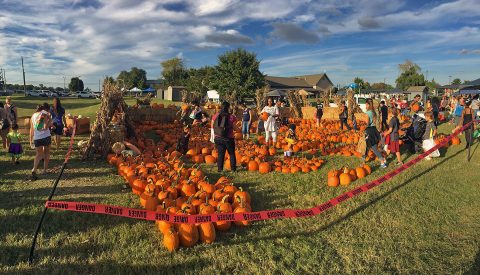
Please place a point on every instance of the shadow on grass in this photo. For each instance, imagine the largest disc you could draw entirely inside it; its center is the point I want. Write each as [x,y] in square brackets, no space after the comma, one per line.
[475,269]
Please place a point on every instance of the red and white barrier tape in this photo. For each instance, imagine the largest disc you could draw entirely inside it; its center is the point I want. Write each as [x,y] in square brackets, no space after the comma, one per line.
[248,216]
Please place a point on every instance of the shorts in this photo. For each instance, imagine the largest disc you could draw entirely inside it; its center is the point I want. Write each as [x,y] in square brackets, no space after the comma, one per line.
[394,146]
[245,127]
[43,142]
[456,120]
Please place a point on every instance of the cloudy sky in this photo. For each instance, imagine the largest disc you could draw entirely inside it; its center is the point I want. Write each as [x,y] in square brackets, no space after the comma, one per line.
[345,38]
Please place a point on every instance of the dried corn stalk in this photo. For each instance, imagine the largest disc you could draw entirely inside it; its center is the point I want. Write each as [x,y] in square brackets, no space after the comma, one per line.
[295,103]
[111,105]
[261,97]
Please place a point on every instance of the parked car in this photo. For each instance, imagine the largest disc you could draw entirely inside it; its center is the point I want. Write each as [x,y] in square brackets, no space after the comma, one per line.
[97,94]
[52,94]
[36,93]
[85,94]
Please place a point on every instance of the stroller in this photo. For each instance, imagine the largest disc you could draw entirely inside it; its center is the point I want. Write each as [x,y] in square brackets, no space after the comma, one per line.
[414,133]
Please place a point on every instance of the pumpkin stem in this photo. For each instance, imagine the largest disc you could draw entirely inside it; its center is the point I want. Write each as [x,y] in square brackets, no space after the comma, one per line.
[224,198]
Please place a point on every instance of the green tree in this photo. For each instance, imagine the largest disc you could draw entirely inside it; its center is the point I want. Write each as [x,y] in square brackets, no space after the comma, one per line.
[237,75]
[134,78]
[457,81]
[76,84]
[410,75]
[174,72]
[381,86]
[199,80]
[432,85]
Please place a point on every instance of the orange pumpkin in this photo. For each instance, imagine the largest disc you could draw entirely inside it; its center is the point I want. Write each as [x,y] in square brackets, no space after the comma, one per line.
[264,116]
[264,168]
[361,172]
[345,179]
[333,181]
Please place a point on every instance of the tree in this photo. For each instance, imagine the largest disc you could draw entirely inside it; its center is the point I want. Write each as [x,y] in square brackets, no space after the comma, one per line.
[410,75]
[381,86]
[134,78]
[76,84]
[237,75]
[457,81]
[466,82]
[174,72]
[199,81]
[432,85]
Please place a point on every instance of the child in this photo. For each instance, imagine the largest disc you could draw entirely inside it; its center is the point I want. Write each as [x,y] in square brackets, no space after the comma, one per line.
[393,145]
[291,139]
[182,144]
[15,149]
[430,132]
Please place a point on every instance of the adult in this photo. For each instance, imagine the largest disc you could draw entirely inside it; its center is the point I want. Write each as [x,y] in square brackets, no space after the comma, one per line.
[384,114]
[4,125]
[435,105]
[271,124]
[372,136]
[11,110]
[246,121]
[58,120]
[319,112]
[343,116]
[222,125]
[467,117]
[40,137]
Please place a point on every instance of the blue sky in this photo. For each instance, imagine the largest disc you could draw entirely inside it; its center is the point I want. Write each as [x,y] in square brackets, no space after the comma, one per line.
[345,38]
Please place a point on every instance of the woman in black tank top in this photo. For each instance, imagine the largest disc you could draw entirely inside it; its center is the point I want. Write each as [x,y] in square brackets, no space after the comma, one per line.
[467,117]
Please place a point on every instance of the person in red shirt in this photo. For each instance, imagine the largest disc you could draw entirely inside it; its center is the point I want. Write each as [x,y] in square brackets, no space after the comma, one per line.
[222,125]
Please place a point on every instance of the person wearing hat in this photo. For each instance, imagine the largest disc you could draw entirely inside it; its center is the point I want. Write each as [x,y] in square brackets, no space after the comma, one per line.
[291,139]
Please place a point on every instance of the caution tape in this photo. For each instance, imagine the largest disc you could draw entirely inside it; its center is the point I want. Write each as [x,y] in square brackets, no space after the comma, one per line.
[246,216]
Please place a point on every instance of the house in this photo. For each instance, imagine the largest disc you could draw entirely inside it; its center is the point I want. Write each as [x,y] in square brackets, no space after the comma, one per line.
[412,91]
[173,93]
[314,83]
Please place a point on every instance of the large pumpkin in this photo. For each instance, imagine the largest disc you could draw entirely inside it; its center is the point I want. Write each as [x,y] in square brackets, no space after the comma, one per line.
[264,116]
[455,141]
[264,168]
[252,165]
[333,181]
[361,172]
[345,179]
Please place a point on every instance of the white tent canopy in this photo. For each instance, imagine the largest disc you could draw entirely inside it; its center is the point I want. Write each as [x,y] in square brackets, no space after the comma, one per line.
[135,89]
[213,95]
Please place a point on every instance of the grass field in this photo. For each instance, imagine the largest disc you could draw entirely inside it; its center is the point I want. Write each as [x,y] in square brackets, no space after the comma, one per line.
[426,220]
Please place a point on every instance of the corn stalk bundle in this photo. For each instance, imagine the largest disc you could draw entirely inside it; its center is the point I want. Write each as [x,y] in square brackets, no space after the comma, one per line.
[112,103]
[295,103]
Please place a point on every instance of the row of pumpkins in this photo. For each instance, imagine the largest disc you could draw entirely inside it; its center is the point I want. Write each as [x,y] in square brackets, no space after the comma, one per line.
[165,185]
[345,176]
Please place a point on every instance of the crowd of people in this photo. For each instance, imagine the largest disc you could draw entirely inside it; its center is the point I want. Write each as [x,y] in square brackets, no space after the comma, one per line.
[45,122]
[381,133]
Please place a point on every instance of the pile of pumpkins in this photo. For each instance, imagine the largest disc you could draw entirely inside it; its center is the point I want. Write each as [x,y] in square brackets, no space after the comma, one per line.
[165,185]
[345,176]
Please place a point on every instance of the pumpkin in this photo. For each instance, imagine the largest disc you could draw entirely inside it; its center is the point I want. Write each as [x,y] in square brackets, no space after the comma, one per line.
[367,168]
[188,234]
[171,240]
[345,179]
[242,209]
[455,141]
[209,159]
[252,165]
[361,172]
[264,116]
[333,181]
[207,232]
[264,168]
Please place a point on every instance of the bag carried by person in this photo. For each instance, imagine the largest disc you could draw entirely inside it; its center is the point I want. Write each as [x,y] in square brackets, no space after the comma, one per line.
[362,145]
[429,144]
[221,125]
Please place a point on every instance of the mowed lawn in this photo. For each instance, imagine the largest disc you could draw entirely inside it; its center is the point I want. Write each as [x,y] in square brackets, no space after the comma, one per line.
[425,220]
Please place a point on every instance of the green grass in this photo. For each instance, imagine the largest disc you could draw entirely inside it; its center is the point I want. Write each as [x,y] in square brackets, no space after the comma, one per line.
[86,107]
[426,220]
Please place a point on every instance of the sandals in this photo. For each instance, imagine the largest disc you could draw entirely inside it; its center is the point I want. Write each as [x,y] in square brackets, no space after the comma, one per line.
[33,176]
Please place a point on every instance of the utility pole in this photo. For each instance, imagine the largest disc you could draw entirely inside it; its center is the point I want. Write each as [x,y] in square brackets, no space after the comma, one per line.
[24,85]
[64,84]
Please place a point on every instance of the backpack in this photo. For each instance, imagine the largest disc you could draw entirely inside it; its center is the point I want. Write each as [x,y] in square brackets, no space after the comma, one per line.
[4,124]
[221,125]
[419,126]
[12,112]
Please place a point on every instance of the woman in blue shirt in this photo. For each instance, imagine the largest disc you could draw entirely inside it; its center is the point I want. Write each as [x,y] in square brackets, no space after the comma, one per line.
[372,136]
[58,120]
